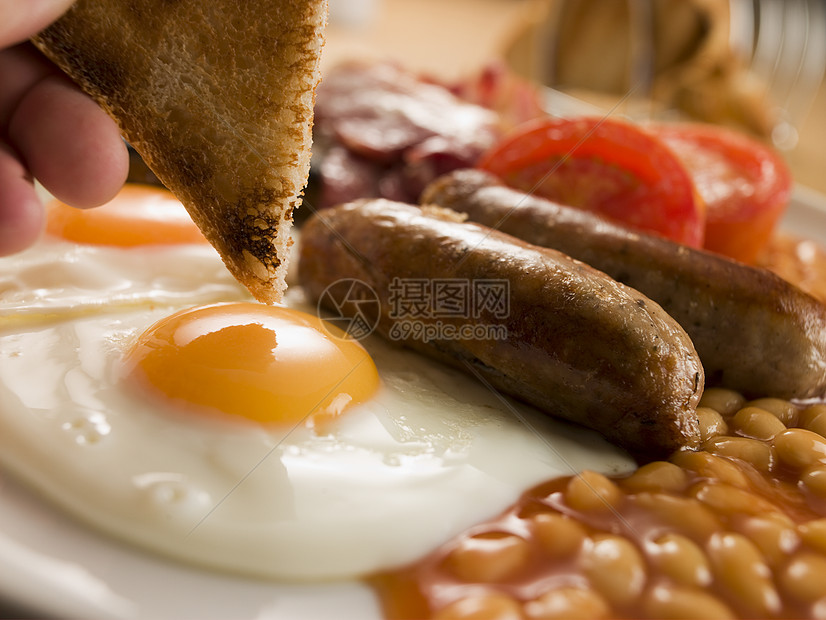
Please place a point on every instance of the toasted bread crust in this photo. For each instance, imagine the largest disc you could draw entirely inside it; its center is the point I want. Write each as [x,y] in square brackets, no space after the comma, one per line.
[218,102]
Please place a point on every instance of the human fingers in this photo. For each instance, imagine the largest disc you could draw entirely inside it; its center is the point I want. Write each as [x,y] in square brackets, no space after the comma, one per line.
[21,19]
[68,143]
[21,214]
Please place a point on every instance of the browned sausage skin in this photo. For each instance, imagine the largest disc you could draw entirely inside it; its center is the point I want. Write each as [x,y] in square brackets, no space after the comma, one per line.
[578,345]
[755,332]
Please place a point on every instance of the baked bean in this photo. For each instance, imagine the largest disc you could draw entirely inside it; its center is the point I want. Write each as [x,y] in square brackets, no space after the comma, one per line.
[814,419]
[804,577]
[813,533]
[756,423]
[739,569]
[800,448]
[681,602]
[492,606]
[711,423]
[488,557]
[615,568]
[723,401]
[710,466]
[814,479]
[656,476]
[774,534]
[725,499]
[685,515]
[783,410]
[559,535]
[592,492]
[753,451]
[680,559]
[567,603]
[711,533]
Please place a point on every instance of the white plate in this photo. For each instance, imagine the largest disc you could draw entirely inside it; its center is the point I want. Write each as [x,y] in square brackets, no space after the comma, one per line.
[53,566]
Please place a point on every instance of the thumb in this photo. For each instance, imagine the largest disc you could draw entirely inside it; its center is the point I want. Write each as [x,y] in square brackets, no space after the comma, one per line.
[21,19]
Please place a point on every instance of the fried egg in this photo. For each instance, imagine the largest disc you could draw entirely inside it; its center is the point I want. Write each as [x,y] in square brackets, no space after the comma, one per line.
[254,439]
[140,249]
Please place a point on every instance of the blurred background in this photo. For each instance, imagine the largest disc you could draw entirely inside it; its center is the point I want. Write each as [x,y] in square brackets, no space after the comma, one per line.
[755,64]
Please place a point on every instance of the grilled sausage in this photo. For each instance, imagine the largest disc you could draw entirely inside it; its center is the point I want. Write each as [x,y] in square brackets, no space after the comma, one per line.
[754,332]
[570,340]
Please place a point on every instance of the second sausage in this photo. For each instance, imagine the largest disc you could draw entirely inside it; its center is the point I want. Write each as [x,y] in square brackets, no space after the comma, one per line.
[754,332]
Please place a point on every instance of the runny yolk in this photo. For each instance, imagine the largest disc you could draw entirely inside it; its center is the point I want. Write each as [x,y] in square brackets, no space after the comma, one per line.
[264,363]
[138,215]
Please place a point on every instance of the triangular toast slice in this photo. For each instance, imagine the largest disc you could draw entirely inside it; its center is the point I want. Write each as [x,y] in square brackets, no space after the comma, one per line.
[217,96]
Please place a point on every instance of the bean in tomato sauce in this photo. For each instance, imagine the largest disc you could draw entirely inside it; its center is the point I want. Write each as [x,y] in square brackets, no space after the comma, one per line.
[735,529]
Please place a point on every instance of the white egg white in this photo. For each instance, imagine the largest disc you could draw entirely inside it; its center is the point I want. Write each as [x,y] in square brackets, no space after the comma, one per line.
[57,278]
[433,453]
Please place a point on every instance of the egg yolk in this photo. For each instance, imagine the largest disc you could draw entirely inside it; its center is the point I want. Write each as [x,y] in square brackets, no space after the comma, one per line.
[264,363]
[138,215]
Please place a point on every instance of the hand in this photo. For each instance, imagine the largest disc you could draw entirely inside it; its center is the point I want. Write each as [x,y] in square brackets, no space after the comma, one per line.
[49,130]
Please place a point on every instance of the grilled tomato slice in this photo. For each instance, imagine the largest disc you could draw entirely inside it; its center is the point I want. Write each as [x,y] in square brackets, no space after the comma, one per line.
[612,167]
[744,183]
